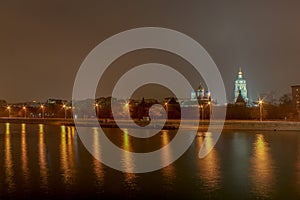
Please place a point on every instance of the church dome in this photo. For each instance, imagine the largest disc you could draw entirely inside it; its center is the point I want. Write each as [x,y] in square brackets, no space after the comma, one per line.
[200,87]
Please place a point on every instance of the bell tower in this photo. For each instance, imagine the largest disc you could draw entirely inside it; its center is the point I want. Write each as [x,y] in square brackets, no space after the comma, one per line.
[240,87]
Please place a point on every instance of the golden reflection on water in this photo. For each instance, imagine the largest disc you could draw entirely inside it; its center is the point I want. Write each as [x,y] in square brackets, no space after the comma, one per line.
[168,171]
[298,165]
[98,169]
[262,174]
[24,155]
[209,166]
[8,160]
[127,160]
[42,157]
[67,154]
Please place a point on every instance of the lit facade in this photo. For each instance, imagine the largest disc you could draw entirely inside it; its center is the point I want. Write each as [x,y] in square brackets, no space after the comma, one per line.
[200,94]
[296,95]
[240,87]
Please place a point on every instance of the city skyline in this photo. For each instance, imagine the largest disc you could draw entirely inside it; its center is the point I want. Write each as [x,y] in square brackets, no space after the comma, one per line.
[43,46]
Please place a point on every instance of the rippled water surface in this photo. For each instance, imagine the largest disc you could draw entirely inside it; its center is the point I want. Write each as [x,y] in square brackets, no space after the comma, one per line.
[51,162]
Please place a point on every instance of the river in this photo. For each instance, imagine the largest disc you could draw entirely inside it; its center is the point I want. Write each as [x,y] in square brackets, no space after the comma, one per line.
[48,161]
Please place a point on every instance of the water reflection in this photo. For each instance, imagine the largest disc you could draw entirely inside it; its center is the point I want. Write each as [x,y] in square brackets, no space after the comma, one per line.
[98,169]
[262,174]
[9,172]
[128,161]
[24,156]
[67,154]
[166,156]
[42,157]
[209,166]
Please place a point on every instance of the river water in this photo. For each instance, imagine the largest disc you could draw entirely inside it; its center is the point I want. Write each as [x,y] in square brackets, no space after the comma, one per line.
[49,162]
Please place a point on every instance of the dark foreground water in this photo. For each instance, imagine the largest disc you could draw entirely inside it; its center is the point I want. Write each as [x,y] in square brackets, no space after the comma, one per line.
[51,162]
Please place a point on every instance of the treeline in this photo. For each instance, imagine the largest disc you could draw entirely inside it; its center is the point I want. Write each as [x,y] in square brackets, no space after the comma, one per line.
[140,109]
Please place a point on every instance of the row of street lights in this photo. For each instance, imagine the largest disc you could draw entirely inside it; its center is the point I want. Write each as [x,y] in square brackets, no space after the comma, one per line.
[42,108]
[65,107]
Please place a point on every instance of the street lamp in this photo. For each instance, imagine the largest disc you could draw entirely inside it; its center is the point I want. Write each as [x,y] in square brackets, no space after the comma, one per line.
[210,109]
[24,108]
[202,112]
[43,111]
[166,105]
[260,103]
[97,111]
[8,108]
[65,108]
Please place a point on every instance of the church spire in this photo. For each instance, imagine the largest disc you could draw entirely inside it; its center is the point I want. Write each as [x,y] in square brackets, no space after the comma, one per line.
[240,74]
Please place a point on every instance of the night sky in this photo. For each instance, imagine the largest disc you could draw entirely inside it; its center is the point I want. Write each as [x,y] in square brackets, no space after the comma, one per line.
[43,43]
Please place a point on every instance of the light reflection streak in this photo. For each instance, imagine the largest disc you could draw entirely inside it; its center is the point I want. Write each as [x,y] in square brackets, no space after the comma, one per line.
[166,156]
[8,160]
[209,166]
[24,155]
[42,157]
[70,147]
[97,154]
[66,154]
[262,174]
[127,160]
[298,164]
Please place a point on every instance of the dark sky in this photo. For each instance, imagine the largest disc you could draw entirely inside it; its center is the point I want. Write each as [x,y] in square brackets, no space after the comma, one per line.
[43,43]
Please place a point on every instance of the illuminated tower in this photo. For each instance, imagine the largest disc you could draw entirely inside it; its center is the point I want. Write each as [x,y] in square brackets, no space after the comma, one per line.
[240,87]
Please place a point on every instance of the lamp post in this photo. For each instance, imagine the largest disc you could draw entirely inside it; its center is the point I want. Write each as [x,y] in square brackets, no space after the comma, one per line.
[43,111]
[24,108]
[210,109]
[97,111]
[260,103]
[65,108]
[202,112]
[166,105]
[8,108]
[127,109]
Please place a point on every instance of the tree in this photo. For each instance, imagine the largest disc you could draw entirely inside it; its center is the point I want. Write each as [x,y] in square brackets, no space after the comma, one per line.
[286,99]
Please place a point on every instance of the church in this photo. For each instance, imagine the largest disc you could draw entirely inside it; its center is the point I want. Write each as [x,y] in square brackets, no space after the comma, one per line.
[200,94]
[240,87]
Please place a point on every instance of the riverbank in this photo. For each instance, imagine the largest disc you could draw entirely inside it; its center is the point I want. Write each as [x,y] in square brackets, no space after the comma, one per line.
[171,124]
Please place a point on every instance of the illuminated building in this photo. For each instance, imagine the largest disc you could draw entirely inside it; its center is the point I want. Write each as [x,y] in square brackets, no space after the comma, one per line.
[240,87]
[296,96]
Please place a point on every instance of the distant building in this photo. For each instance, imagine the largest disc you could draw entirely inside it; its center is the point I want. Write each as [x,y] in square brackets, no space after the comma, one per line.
[296,96]
[200,94]
[240,87]
[56,102]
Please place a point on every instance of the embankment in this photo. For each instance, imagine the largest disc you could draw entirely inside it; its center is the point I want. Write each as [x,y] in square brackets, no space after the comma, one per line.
[171,124]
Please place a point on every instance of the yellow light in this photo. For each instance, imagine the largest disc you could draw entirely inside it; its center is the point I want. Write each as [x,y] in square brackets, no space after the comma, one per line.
[42,106]
[209,103]
[24,108]
[260,102]
[8,107]
[41,128]
[7,130]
